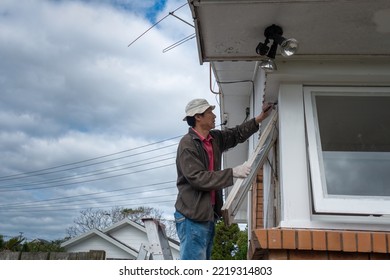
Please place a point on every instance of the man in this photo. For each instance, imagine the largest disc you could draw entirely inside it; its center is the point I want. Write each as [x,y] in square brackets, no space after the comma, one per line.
[200,179]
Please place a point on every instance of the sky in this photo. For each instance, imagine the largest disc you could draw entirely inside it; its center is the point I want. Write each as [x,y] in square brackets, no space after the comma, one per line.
[87,121]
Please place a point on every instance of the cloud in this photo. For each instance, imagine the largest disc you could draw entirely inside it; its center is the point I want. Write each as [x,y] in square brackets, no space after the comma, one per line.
[71,89]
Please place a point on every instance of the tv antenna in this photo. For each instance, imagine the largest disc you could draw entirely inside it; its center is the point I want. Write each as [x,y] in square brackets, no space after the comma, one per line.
[189,37]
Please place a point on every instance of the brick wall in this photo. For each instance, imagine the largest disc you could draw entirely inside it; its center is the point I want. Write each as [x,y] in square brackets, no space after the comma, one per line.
[279,243]
[314,244]
[257,201]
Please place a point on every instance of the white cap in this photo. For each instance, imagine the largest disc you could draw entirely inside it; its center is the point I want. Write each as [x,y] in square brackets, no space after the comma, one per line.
[197,106]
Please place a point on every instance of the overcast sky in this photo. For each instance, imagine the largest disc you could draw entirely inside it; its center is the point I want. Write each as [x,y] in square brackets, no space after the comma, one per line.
[85,120]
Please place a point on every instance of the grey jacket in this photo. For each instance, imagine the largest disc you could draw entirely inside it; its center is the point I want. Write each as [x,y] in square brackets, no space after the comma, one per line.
[194,181]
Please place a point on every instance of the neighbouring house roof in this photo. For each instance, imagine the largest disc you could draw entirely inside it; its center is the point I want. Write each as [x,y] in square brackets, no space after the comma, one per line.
[41,241]
[106,237]
[122,224]
[114,238]
[138,226]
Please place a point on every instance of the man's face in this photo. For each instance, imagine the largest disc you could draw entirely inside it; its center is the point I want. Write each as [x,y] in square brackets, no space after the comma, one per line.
[207,119]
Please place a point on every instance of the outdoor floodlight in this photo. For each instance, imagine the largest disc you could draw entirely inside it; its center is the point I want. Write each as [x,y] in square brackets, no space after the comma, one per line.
[288,46]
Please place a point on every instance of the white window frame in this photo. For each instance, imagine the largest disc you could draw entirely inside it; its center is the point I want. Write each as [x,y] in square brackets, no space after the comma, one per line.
[336,204]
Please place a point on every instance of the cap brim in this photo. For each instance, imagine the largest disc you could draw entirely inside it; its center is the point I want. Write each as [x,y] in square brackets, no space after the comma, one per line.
[211,106]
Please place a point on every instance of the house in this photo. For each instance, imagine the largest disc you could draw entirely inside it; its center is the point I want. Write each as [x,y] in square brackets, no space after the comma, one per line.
[122,240]
[321,184]
[40,241]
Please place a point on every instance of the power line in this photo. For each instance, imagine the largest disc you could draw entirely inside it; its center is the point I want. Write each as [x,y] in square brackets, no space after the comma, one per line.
[27,203]
[45,171]
[52,204]
[99,200]
[113,204]
[90,173]
[34,173]
[86,181]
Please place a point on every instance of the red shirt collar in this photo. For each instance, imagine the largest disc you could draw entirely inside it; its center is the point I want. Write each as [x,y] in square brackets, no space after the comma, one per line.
[202,138]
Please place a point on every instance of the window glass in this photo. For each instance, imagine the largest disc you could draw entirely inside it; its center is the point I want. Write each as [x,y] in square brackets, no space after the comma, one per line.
[357,173]
[354,132]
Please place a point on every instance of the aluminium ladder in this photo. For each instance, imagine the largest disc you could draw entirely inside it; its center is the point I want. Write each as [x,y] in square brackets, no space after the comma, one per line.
[158,248]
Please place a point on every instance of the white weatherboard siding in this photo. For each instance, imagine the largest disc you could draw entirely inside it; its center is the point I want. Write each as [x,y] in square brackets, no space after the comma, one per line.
[129,235]
[97,243]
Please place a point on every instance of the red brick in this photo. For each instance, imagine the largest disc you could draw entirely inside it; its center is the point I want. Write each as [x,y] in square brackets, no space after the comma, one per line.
[379,242]
[307,255]
[278,255]
[319,240]
[348,256]
[364,242]
[304,240]
[388,241]
[288,239]
[274,239]
[349,241]
[261,235]
[333,240]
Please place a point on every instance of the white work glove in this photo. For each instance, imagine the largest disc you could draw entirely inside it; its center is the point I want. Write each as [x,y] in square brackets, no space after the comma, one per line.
[241,171]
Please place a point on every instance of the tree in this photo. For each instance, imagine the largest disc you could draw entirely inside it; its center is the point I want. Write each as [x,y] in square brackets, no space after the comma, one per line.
[242,245]
[2,242]
[44,246]
[230,243]
[94,219]
[13,244]
[137,214]
[100,219]
[20,244]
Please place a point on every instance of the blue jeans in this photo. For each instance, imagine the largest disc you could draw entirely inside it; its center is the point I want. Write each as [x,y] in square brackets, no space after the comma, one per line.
[196,238]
